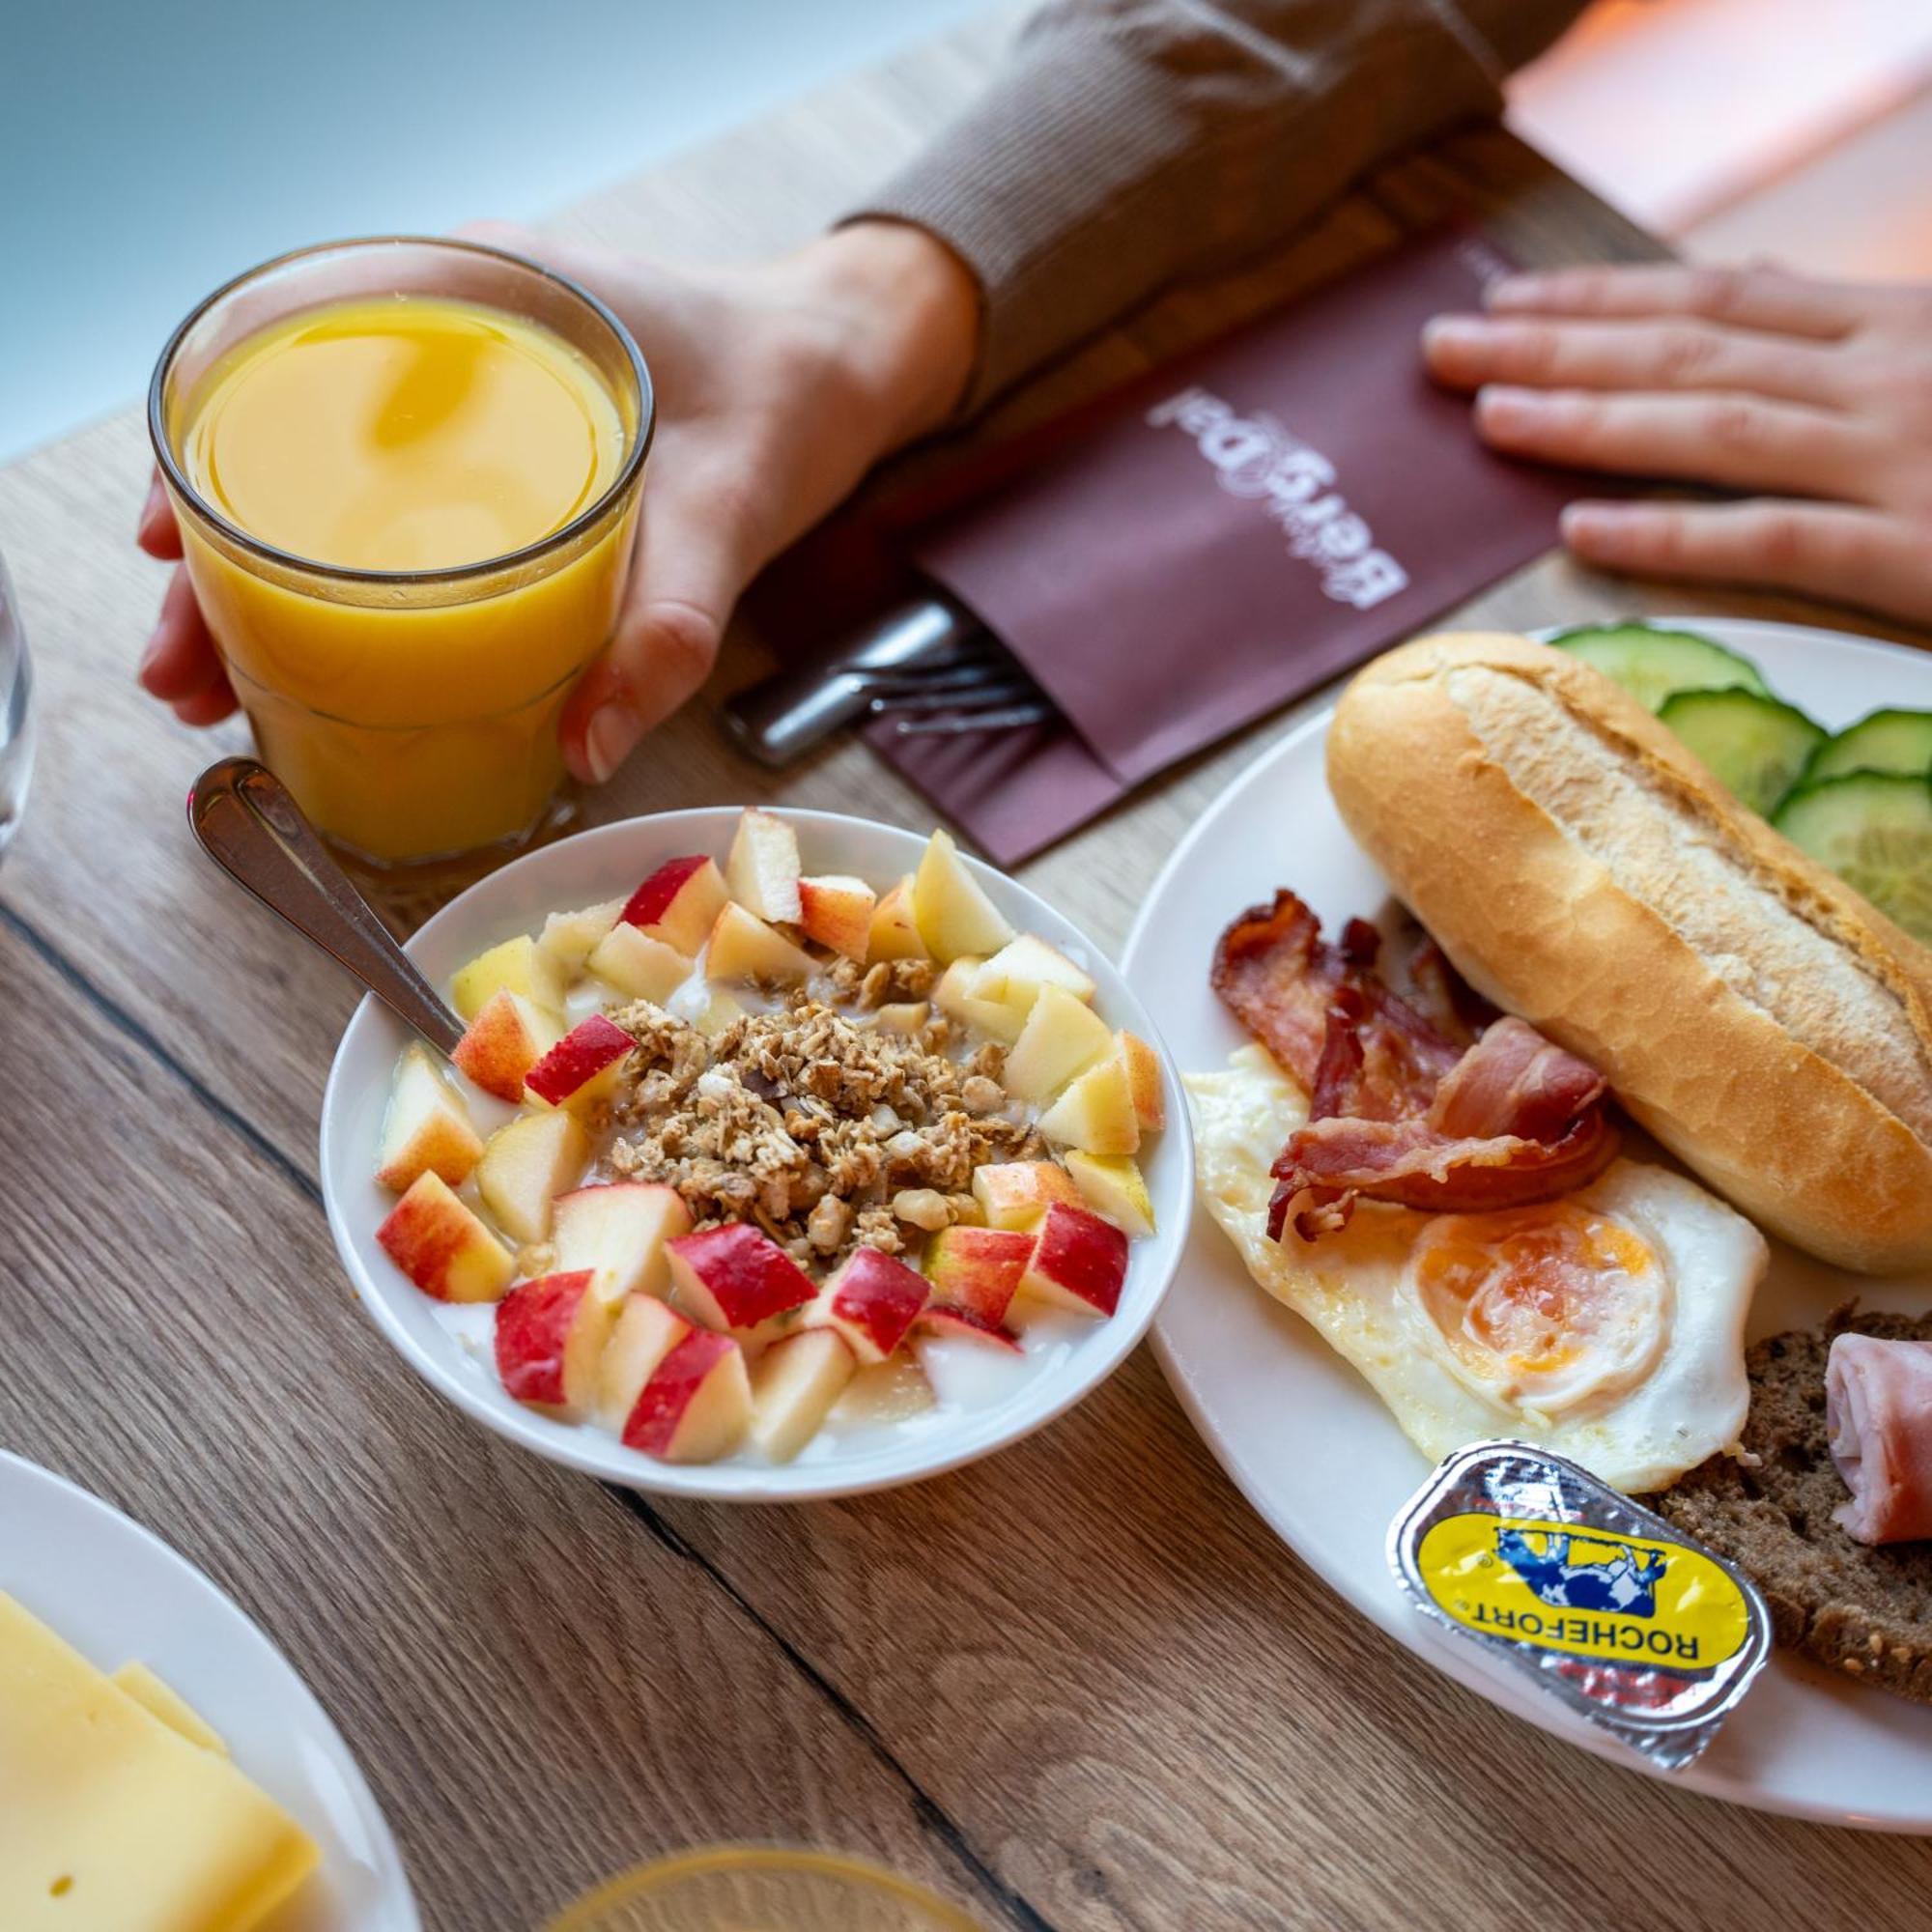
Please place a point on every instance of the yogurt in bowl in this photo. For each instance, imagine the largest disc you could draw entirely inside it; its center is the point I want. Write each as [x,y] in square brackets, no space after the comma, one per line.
[791,1155]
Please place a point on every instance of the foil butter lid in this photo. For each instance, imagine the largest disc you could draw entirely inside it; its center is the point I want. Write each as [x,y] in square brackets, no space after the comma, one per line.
[1644,1632]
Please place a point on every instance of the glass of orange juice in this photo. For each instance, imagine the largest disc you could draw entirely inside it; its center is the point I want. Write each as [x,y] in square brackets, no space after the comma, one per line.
[406,473]
[762,1888]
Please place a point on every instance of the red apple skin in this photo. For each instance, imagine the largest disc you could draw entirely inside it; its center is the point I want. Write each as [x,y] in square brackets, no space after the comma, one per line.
[578,1058]
[533,1325]
[497,1050]
[735,1277]
[872,1300]
[978,1268]
[944,1324]
[1082,1255]
[652,1425]
[677,902]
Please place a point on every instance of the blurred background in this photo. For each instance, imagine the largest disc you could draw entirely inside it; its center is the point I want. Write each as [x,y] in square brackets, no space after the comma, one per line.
[149,153]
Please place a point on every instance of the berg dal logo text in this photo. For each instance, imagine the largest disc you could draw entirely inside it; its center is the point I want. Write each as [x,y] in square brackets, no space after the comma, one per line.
[1256,457]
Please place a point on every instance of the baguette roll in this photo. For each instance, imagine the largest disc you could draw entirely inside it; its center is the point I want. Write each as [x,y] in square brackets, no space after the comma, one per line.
[1583,871]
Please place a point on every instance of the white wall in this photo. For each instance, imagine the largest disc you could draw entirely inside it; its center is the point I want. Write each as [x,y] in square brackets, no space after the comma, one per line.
[149,149]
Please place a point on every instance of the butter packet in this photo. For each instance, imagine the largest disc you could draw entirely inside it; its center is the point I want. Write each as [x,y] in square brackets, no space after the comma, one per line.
[1649,1635]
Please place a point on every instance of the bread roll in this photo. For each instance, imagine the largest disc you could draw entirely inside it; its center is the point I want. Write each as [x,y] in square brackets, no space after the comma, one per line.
[1582,869]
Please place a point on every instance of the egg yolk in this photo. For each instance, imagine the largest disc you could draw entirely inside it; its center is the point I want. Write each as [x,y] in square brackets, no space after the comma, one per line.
[1547,1307]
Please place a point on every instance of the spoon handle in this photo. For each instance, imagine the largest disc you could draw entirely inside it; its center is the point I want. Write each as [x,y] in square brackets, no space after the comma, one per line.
[252,829]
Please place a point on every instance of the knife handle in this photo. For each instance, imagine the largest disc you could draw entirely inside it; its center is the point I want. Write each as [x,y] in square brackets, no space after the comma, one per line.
[785,715]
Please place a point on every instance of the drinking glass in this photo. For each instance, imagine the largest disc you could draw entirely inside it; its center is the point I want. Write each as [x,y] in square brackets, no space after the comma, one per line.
[16,714]
[412,714]
[762,1888]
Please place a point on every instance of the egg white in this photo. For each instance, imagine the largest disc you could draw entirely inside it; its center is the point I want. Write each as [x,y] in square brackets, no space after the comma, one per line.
[1687,1404]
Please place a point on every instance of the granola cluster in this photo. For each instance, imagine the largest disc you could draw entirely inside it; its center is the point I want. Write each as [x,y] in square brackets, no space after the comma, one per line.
[830,1123]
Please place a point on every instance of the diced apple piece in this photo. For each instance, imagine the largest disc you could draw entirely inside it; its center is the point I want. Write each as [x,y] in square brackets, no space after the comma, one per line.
[762,871]
[953,995]
[978,1268]
[426,1128]
[956,917]
[902,1016]
[526,1166]
[1061,1039]
[442,1247]
[734,1277]
[720,1011]
[1097,1113]
[1015,1193]
[551,1336]
[1143,1081]
[743,947]
[837,911]
[1111,1187]
[509,1034]
[895,933]
[583,1067]
[946,1323]
[872,1300]
[638,966]
[793,1388]
[643,1333]
[570,937]
[1079,1262]
[696,1406]
[679,902]
[619,1231]
[516,966]
[888,1392]
[1015,975]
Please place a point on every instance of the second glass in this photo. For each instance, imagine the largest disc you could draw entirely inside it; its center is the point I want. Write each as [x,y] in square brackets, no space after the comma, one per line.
[412,711]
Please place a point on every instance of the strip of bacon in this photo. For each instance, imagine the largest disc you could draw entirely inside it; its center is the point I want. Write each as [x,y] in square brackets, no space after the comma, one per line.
[1399,1112]
[1277,974]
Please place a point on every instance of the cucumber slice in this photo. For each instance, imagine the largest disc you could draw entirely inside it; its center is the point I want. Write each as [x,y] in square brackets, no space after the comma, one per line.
[1755,746]
[1652,663]
[1874,829]
[1887,741]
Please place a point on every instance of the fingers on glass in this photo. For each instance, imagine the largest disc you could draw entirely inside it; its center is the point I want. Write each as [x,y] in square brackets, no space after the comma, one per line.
[181,662]
[1829,549]
[1764,299]
[155,533]
[1741,442]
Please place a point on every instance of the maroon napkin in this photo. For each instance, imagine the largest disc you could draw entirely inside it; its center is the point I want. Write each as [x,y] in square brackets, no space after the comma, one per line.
[1220,539]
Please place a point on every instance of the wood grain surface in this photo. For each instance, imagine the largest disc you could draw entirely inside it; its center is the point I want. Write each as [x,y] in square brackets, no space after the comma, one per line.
[1079,1686]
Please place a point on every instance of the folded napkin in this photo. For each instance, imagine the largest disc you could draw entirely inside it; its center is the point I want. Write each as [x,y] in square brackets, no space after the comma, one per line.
[1216,541]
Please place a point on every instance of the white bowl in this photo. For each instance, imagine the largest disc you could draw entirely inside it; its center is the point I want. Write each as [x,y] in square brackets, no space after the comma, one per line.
[607,863]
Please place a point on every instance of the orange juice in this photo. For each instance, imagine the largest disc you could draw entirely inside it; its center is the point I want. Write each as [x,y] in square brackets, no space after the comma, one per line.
[413,548]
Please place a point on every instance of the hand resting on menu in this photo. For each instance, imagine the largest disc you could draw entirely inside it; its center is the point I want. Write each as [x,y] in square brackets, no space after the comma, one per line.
[1811,398]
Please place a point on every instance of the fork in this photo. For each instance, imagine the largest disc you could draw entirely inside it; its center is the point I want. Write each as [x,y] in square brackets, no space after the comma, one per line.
[929,663]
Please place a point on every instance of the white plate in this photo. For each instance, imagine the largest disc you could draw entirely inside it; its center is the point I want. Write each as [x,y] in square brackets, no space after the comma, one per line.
[1300,1432]
[117,1593]
[608,863]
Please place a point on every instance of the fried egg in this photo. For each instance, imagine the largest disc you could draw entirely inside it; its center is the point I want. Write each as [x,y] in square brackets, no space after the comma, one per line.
[1606,1325]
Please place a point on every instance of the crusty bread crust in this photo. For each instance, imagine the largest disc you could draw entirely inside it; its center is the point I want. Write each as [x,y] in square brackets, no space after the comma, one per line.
[1584,870]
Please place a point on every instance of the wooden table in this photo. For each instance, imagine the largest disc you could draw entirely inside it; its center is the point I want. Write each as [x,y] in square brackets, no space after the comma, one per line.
[1077,1686]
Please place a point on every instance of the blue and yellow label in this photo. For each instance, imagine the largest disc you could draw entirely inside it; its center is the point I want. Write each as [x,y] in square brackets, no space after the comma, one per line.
[1627,1599]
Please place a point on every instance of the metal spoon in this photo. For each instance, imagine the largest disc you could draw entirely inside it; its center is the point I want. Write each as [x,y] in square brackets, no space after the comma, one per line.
[246,822]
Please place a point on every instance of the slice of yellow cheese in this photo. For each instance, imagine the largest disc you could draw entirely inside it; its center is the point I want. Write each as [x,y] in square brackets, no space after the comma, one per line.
[169,1706]
[112,1820]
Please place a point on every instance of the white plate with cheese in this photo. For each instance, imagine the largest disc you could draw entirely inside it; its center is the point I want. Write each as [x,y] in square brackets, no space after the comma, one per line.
[118,1595]
[1305,1437]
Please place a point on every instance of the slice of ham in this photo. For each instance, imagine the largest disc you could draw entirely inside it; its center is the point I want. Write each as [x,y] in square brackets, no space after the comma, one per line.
[1397,1111]
[1878,1420]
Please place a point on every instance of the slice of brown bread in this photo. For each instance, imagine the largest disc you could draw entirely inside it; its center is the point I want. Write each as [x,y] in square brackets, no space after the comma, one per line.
[1863,1610]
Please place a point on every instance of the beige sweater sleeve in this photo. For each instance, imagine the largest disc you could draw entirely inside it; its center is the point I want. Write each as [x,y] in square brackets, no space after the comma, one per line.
[1133,142]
